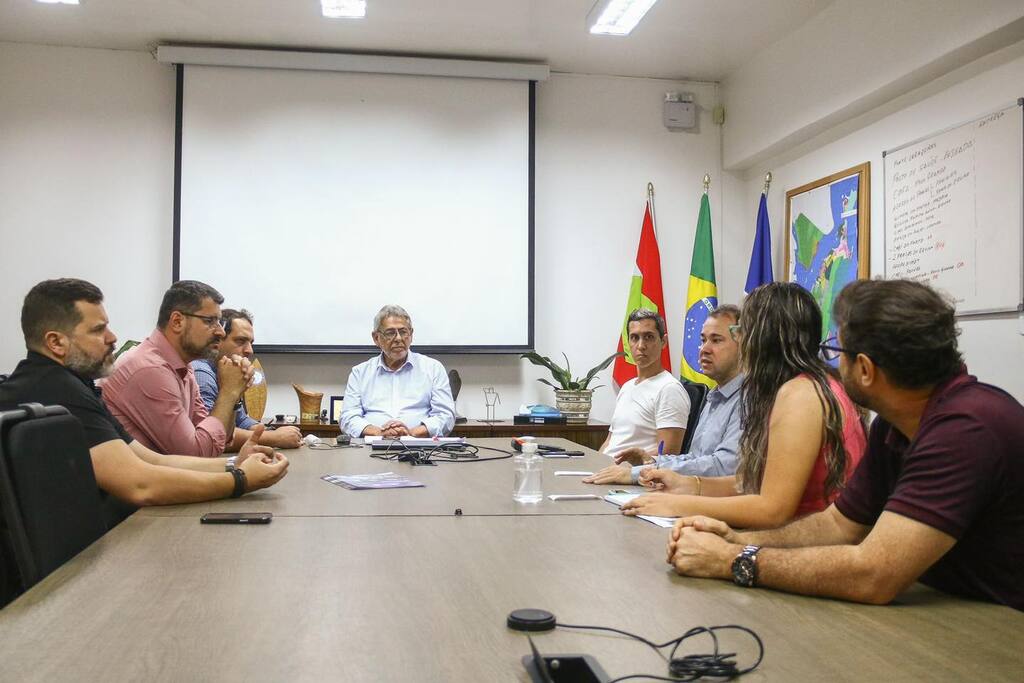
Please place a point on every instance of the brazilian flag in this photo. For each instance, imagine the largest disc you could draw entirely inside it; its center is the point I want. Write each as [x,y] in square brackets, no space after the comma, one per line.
[701,295]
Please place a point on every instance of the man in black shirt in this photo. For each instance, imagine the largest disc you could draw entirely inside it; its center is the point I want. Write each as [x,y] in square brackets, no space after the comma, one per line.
[69,345]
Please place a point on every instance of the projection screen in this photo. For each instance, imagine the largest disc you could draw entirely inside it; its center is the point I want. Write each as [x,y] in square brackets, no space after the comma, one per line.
[312,198]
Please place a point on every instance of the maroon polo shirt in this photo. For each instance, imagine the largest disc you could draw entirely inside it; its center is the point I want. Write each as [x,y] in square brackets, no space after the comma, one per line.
[963,474]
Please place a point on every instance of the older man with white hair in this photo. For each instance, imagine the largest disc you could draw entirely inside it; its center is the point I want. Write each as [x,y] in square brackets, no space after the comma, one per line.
[399,392]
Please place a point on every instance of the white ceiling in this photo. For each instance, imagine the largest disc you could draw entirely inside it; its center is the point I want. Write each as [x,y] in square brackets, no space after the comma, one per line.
[678,39]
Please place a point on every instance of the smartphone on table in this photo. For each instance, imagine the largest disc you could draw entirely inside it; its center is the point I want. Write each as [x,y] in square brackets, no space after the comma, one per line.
[236,518]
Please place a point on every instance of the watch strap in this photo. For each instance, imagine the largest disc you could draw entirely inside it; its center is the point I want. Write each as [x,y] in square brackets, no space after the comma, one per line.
[240,482]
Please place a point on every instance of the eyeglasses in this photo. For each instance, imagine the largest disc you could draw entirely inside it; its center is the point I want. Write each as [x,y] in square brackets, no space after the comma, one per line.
[400,332]
[735,331]
[830,352]
[210,321]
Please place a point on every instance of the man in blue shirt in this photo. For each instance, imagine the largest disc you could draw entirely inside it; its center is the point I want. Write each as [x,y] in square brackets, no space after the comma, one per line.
[238,340]
[399,392]
[716,438]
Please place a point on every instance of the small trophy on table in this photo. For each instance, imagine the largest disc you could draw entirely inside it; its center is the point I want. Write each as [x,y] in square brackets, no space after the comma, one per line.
[491,399]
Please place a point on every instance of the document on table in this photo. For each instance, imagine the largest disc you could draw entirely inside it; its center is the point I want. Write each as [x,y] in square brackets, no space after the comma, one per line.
[382,480]
[620,498]
[574,496]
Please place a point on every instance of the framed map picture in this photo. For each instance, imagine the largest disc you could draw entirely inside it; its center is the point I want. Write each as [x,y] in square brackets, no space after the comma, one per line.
[828,232]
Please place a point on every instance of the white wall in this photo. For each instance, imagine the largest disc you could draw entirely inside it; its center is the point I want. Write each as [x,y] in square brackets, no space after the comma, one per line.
[86,160]
[849,58]
[86,179]
[993,345]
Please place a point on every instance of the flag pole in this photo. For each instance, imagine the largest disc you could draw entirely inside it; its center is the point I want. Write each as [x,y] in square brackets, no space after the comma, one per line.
[650,202]
[707,182]
[767,182]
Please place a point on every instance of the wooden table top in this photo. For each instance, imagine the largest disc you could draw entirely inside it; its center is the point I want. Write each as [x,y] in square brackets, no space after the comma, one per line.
[391,586]
[477,488]
[425,599]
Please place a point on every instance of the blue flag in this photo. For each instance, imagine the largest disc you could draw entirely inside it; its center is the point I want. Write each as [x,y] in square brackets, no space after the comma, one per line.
[760,271]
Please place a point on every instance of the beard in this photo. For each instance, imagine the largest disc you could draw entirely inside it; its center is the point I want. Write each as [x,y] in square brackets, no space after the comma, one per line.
[204,352]
[855,394]
[82,364]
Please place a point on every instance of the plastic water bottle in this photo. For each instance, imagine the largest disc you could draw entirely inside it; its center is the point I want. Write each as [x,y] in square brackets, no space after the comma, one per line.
[528,484]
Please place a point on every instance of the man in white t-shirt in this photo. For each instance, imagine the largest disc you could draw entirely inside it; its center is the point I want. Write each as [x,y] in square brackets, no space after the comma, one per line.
[653,408]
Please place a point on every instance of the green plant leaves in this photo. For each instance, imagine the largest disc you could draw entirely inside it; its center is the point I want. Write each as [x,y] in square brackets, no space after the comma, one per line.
[563,375]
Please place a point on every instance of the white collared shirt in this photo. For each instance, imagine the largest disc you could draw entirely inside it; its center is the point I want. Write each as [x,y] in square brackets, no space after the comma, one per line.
[416,393]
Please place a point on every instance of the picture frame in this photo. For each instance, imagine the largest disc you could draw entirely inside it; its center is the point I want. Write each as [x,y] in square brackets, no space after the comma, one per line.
[336,405]
[828,236]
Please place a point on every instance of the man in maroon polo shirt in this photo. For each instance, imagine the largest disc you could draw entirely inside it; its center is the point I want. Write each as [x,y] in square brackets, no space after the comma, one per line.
[939,495]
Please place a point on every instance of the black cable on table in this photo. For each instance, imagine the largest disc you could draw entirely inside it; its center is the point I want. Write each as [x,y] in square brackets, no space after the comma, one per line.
[445,452]
[689,667]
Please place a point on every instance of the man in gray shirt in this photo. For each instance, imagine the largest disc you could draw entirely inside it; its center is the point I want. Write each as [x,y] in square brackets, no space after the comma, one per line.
[717,435]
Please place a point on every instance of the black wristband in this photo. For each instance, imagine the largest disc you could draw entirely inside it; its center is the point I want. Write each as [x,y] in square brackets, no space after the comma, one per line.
[239,476]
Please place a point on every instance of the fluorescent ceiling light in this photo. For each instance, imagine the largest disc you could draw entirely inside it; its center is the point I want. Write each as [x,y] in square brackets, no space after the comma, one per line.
[617,17]
[59,2]
[343,9]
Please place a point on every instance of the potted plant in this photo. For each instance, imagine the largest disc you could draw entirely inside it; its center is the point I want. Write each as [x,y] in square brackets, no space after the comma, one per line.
[572,396]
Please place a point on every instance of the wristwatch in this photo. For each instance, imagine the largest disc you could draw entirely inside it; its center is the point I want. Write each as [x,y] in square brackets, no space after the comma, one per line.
[744,567]
[229,463]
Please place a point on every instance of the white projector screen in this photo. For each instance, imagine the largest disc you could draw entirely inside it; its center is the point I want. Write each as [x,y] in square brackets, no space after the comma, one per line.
[312,198]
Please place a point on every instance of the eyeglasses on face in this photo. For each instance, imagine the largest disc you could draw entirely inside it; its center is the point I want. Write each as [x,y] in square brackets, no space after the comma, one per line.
[390,335]
[210,321]
[830,349]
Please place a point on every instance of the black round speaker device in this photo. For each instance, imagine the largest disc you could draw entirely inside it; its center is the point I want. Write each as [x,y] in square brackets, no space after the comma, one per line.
[531,620]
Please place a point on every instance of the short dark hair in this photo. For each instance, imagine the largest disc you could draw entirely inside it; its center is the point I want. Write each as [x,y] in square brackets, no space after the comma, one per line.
[646,314]
[729,310]
[230,315]
[185,296]
[50,305]
[906,327]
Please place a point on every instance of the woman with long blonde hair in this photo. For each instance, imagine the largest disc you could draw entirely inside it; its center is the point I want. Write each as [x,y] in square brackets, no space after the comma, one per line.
[802,435]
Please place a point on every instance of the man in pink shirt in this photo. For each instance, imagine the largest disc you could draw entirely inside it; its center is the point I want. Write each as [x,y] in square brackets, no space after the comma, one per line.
[153,390]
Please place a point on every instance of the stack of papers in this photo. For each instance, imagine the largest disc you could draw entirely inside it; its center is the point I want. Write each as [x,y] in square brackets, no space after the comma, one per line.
[620,498]
[383,480]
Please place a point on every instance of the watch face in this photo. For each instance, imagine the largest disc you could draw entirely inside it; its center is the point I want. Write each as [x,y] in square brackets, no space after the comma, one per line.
[744,567]
[743,571]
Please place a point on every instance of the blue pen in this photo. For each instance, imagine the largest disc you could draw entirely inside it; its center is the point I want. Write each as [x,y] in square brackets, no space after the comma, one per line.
[661,448]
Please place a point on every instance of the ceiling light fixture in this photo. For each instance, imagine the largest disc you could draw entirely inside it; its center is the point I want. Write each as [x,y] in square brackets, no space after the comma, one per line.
[343,9]
[59,2]
[617,17]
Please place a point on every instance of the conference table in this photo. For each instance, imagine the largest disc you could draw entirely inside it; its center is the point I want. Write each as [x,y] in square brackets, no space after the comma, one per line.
[395,585]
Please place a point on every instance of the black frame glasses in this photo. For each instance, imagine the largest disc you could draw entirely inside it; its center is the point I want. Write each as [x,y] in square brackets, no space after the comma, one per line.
[210,321]
[831,352]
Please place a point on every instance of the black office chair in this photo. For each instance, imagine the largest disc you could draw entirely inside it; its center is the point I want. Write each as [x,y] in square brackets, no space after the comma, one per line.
[49,501]
[697,393]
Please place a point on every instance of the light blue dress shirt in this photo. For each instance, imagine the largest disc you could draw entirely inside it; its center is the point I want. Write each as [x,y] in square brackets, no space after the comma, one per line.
[716,439]
[209,387]
[416,393]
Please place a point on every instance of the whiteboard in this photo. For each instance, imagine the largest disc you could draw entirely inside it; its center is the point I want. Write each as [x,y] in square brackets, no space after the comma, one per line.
[953,211]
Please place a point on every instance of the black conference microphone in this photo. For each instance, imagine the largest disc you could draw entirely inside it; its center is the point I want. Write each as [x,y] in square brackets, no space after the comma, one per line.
[572,668]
